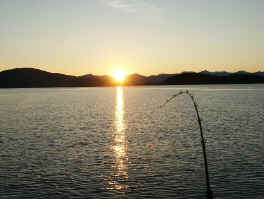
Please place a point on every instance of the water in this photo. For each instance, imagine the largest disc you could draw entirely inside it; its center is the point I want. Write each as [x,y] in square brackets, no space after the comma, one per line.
[118,143]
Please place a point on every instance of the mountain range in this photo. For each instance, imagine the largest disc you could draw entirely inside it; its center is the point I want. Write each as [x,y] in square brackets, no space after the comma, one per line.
[31,77]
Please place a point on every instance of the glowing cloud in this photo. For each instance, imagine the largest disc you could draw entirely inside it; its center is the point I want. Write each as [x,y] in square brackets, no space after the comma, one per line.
[130,6]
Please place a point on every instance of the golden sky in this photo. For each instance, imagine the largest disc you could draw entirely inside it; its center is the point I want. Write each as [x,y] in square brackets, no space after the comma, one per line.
[145,37]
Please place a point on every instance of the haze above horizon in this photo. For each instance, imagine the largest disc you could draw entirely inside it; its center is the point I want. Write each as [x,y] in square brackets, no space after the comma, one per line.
[145,37]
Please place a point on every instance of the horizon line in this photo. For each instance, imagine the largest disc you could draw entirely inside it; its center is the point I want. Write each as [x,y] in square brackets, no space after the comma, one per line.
[134,73]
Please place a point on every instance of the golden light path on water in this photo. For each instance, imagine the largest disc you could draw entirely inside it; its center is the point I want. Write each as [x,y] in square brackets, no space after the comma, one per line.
[119,147]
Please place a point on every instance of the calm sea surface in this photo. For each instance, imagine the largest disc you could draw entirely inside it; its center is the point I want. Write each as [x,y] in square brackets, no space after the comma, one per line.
[118,143]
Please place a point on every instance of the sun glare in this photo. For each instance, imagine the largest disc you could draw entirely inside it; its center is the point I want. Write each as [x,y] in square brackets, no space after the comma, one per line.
[119,76]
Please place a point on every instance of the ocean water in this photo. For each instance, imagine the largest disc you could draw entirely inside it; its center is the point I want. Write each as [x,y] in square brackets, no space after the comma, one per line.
[118,143]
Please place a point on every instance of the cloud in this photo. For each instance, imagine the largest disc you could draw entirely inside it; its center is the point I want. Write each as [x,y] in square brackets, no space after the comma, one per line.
[131,6]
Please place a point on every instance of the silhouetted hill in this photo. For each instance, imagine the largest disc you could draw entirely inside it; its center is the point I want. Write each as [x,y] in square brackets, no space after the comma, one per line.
[136,79]
[220,73]
[93,80]
[261,74]
[209,78]
[193,78]
[158,79]
[30,77]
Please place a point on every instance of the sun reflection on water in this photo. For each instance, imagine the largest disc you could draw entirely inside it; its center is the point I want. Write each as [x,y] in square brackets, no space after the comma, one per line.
[119,147]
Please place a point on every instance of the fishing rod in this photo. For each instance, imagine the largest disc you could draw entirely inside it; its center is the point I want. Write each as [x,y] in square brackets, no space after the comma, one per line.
[209,192]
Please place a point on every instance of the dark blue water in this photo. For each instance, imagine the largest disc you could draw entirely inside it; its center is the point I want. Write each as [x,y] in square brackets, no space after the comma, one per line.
[118,143]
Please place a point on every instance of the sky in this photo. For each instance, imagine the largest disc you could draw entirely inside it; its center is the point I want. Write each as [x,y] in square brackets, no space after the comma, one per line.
[79,37]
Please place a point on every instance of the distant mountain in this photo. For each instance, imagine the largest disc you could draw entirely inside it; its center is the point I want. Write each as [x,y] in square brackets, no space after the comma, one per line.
[31,77]
[242,72]
[136,79]
[211,78]
[261,74]
[219,74]
[193,78]
[93,80]
[158,79]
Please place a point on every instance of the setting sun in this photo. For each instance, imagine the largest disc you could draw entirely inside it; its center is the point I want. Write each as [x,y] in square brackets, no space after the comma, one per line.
[119,76]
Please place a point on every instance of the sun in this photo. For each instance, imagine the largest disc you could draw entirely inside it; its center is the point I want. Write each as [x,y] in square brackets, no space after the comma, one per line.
[119,76]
